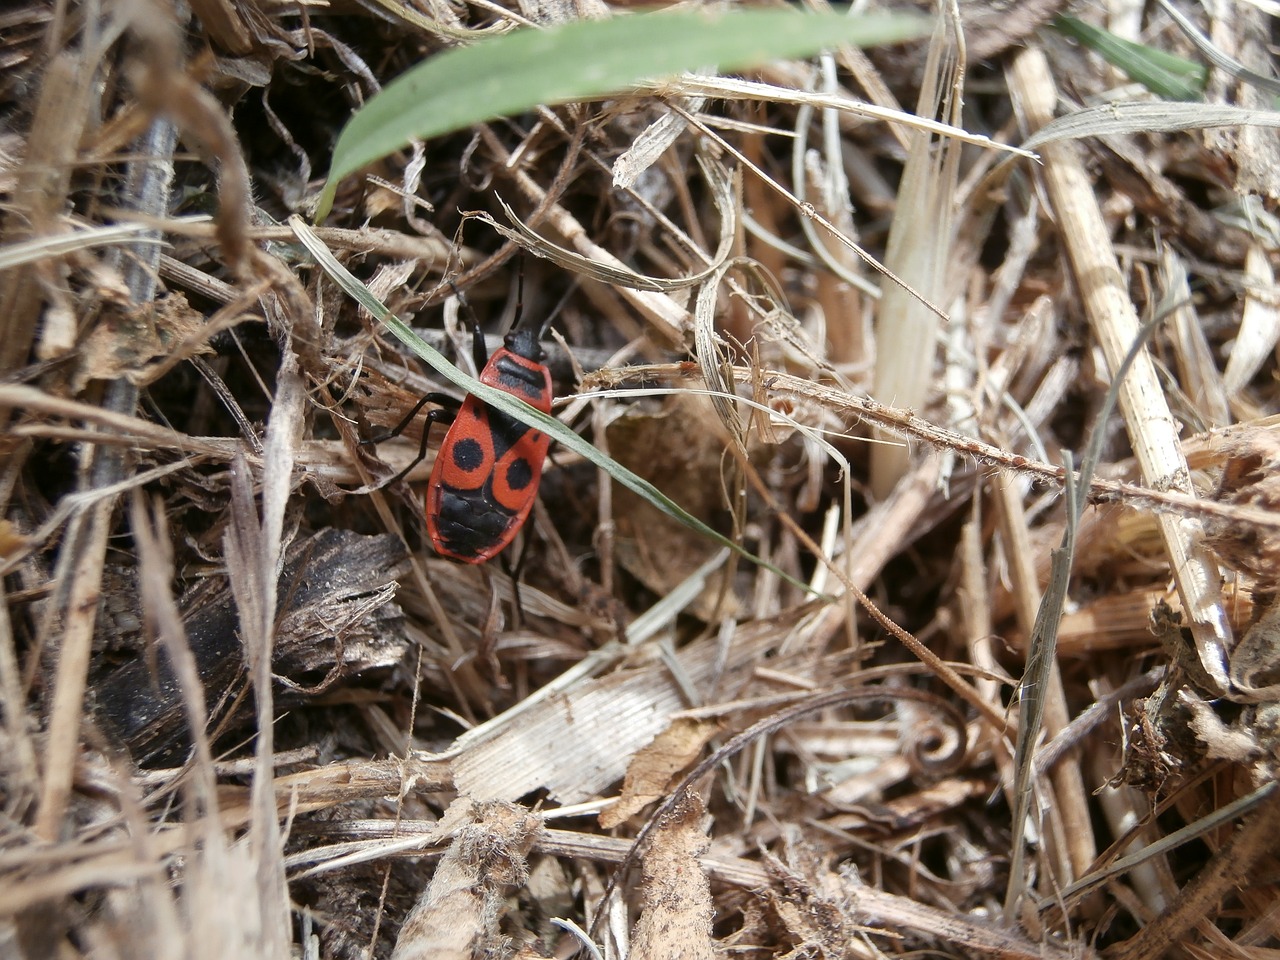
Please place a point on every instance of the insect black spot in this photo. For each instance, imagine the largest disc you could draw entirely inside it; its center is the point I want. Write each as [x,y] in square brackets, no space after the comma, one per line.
[468,454]
[519,474]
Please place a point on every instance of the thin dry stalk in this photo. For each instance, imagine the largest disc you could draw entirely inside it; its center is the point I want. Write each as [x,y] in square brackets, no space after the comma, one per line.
[1151,426]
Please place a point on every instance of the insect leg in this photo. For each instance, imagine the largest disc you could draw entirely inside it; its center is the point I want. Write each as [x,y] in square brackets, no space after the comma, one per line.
[479,352]
[552,450]
[452,404]
[517,608]
[448,407]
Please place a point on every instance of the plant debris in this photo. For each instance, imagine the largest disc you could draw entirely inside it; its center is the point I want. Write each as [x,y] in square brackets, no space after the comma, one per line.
[246,712]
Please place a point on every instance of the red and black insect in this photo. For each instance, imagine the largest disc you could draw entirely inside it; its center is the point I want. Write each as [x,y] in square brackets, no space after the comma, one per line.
[486,473]
[487,470]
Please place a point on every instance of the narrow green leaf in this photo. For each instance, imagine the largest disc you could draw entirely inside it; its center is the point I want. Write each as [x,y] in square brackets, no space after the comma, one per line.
[1164,74]
[512,405]
[580,60]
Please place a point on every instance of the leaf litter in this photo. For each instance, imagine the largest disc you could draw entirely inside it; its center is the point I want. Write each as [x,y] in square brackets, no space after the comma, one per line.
[247,713]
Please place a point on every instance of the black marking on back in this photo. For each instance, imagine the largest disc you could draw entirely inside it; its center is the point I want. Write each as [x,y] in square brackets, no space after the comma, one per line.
[506,431]
[515,377]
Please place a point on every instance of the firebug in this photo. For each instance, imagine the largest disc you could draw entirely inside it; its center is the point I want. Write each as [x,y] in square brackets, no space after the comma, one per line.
[486,473]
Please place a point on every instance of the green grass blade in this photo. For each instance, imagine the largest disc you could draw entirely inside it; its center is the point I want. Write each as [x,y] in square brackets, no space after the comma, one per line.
[512,405]
[1164,74]
[517,71]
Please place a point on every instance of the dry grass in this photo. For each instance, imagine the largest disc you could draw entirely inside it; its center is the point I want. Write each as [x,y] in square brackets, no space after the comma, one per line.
[247,713]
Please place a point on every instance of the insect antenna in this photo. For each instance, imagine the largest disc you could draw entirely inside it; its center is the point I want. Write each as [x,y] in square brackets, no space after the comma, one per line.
[521,320]
[560,305]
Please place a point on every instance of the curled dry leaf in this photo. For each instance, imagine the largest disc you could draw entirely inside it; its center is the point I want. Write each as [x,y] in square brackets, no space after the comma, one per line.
[1255,663]
[1158,741]
[811,900]
[1181,724]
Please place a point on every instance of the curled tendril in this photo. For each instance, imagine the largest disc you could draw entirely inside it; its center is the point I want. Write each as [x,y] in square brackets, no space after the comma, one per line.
[938,749]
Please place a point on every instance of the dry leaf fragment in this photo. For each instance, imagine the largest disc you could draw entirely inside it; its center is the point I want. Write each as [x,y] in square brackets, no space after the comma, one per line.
[579,742]
[811,899]
[655,767]
[12,541]
[681,450]
[1221,742]
[676,922]
[457,916]
[139,336]
[1259,328]
[1251,478]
